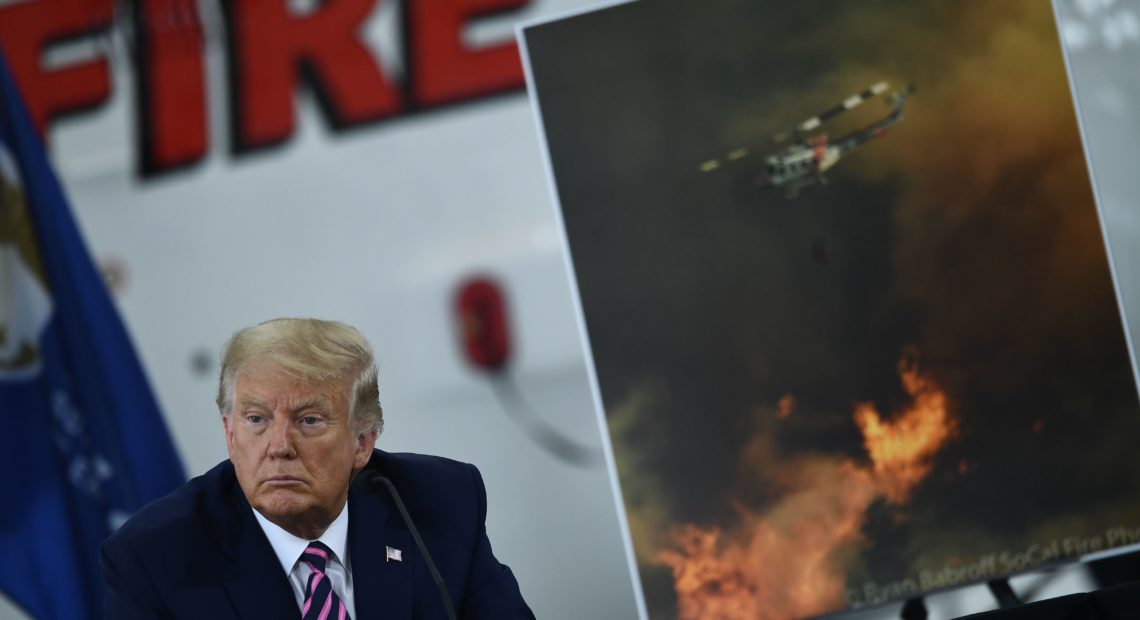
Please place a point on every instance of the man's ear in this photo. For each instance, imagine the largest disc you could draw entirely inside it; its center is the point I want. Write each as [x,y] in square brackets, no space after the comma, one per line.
[365,442]
[229,433]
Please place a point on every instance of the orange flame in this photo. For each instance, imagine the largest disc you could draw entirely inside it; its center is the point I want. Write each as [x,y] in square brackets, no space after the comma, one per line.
[901,450]
[791,560]
[780,565]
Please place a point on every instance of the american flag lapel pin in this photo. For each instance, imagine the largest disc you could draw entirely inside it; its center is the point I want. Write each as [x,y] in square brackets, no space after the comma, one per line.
[393,555]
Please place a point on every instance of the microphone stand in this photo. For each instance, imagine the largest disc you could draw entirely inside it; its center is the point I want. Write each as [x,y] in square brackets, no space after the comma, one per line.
[375,479]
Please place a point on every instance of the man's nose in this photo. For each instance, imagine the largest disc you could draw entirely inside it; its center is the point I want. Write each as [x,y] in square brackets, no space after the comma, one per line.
[281,438]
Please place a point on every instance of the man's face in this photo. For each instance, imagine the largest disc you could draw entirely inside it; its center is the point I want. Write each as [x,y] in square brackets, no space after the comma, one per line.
[293,447]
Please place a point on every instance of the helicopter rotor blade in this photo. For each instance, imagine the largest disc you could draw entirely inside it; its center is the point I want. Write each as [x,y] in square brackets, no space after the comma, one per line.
[733,155]
[847,104]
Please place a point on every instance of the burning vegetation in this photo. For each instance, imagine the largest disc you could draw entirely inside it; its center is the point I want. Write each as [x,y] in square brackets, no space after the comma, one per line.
[789,560]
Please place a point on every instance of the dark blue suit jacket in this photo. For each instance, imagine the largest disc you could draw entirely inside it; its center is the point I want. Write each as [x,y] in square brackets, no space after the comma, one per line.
[199,552]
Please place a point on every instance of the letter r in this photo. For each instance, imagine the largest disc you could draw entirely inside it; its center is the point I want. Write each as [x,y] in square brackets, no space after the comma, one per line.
[271,48]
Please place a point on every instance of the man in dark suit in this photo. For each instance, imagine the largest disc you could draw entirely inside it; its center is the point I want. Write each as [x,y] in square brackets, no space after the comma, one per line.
[297,524]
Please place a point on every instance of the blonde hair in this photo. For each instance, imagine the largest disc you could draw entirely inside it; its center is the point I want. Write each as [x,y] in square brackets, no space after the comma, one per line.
[313,351]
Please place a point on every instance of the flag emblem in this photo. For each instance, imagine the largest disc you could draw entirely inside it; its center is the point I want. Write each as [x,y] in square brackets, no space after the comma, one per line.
[25,307]
[393,555]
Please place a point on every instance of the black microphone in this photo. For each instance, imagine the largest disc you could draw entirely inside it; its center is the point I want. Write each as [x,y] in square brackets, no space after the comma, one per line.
[375,479]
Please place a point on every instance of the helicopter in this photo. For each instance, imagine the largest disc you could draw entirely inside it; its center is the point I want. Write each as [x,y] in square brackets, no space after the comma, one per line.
[804,161]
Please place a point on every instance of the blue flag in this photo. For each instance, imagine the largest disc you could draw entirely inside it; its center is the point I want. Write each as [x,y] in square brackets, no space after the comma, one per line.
[84,444]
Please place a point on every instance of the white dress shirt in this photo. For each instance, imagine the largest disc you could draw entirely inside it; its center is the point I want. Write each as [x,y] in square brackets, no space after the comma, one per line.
[289,549]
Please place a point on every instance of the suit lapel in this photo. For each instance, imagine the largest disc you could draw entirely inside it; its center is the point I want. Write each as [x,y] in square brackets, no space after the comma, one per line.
[253,578]
[382,588]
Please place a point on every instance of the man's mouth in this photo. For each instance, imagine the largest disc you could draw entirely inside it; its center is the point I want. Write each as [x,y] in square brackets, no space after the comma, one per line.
[282,481]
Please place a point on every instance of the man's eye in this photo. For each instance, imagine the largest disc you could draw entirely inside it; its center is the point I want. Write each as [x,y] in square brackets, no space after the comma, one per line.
[310,420]
[254,419]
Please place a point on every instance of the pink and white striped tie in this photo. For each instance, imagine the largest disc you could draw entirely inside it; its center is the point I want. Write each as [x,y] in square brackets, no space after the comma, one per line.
[321,603]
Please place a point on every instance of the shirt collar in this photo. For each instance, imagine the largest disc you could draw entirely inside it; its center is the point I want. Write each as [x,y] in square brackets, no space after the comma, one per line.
[289,547]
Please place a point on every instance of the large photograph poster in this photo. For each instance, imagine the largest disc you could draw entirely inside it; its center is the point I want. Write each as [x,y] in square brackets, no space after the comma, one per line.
[847,295]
